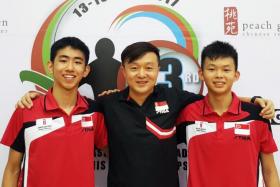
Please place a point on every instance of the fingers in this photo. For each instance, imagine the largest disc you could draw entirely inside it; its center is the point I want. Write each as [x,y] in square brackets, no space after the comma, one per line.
[33,94]
[19,104]
[268,111]
[108,92]
[26,100]
[102,94]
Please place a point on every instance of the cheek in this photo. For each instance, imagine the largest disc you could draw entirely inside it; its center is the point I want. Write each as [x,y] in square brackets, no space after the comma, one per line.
[154,75]
[129,76]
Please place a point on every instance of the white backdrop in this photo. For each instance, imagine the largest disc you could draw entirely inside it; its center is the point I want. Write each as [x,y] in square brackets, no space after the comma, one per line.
[252,27]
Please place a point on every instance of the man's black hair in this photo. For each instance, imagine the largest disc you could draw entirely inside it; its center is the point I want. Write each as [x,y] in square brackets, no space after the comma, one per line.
[219,49]
[72,42]
[137,50]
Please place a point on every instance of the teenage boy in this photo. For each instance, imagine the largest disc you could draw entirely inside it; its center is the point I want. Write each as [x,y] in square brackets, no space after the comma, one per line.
[140,122]
[54,141]
[225,137]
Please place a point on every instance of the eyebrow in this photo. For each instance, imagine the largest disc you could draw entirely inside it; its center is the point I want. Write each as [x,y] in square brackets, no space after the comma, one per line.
[65,56]
[212,64]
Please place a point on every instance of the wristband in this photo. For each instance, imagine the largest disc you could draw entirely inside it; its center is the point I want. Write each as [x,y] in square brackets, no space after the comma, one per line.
[253,99]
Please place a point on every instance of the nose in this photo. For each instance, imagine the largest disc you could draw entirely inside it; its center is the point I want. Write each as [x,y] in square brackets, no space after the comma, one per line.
[219,73]
[141,72]
[70,66]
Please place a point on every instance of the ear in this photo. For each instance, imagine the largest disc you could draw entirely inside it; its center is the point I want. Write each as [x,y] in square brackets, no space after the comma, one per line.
[50,66]
[200,74]
[123,71]
[237,75]
[87,70]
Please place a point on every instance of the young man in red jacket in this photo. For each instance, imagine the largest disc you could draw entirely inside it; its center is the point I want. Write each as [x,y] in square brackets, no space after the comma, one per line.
[54,141]
[225,137]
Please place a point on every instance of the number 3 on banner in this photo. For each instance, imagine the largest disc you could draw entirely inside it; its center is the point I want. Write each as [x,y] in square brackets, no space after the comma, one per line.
[172,69]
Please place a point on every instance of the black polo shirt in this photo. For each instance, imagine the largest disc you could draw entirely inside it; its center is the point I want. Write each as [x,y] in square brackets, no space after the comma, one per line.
[142,141]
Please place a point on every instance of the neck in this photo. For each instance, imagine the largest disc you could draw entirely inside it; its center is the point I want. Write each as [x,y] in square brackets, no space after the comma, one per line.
[66,99]
[220,103]
[138,98]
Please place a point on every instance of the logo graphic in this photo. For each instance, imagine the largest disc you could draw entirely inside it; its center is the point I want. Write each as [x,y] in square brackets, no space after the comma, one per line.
[242,129]
[174,37]
[203,127]
[87,121]
[276,119]
[3,26]
[234,24]
[230,21]
[161,107]
[44,124]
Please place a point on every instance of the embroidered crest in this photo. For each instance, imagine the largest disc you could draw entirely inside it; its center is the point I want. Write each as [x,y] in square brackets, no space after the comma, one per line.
[242,129]
[161,107]
[87,121]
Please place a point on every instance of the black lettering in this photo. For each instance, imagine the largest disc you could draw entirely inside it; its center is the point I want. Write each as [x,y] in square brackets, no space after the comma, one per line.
[173,2]
[185,165]
[176,71]
[98,153]
[83,7]
[76,11]
[103,164]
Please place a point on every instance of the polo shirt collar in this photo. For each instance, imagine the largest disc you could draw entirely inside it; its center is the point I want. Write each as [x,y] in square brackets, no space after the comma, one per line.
[124,94]
[234,108]
[51,104]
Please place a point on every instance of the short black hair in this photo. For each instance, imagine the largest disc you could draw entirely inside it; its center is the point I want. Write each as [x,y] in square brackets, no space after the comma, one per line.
[219,49]
[137,50]
[72,42]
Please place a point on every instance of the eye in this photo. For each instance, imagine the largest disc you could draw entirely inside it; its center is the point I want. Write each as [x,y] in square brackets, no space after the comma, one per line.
[133,68]
[150,68]
[227,70]
[62,60]
[78,62]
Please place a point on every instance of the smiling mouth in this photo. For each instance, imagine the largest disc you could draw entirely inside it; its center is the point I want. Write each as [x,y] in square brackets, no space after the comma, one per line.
[141,82]
[69,77]
[219,84]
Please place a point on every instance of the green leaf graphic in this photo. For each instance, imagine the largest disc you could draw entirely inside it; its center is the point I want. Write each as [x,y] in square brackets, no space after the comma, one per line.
[36,78]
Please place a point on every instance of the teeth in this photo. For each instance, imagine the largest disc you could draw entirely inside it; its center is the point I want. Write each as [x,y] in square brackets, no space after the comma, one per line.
[69,76]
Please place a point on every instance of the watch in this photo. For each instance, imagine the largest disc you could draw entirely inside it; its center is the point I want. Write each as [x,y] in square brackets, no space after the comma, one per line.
[253,99]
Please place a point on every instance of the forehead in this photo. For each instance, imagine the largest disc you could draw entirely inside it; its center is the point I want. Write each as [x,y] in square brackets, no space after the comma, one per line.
[70,52]
[147,58]
[221,61]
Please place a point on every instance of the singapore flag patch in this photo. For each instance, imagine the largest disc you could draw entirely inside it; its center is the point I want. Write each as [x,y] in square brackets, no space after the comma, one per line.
[161,107]
[87,121]
[242,129]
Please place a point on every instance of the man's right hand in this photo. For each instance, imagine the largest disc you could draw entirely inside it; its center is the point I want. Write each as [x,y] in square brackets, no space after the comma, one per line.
[26,100]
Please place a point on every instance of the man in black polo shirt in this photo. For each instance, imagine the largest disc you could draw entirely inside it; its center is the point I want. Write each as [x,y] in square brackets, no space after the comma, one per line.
[140,123]
[140,119]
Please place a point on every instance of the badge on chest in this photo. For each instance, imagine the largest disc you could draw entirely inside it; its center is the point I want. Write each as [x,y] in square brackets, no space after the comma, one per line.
[44,124]
[161,107]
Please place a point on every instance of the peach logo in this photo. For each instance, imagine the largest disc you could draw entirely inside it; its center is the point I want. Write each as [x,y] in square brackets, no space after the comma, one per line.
[230,21]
